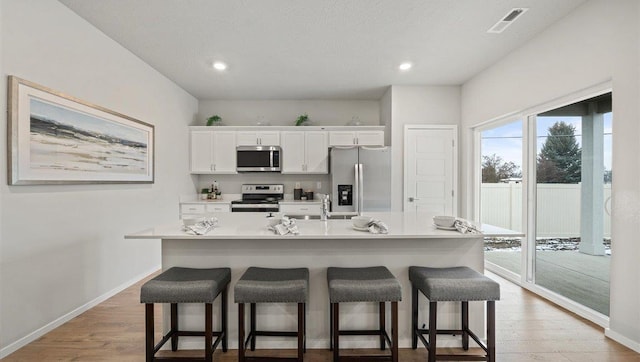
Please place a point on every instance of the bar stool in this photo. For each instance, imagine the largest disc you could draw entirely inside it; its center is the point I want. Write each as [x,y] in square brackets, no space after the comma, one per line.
[265,285]
[186,285]
[457,284]
[373,284]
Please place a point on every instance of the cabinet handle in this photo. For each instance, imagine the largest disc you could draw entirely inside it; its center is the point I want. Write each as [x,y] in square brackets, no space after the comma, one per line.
[304,208]
[214,166]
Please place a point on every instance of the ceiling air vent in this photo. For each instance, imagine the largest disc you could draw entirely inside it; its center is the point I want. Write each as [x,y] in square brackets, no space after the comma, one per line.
[507,20]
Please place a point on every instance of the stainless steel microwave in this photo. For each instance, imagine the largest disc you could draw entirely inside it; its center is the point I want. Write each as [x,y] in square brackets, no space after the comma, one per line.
[258,158]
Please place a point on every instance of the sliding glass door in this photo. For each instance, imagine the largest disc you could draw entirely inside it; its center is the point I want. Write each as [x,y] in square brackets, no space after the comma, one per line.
[559,160]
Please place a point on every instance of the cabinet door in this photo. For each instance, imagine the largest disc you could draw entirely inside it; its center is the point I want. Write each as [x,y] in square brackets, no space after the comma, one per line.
[270,138]
[247,138]
[255,138]
[370,138]
[316,152]
[342,138]
[201,152]
[293,149]
[224,152]
[218,207]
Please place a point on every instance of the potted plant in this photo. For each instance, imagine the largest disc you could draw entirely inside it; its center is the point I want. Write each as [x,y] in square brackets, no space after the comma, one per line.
[214,120]
[302,120]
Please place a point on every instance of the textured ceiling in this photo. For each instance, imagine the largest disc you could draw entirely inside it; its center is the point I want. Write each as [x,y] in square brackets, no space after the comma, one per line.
[316,49]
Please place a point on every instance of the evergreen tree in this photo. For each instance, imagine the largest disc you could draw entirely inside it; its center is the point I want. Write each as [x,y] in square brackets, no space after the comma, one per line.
[495,169]
[560,158]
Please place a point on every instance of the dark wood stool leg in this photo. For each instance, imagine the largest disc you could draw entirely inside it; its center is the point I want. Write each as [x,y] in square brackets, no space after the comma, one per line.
[491,331]
[330,326]
[304,327]
[381,324]
[394,331]
[252,321]
[336,331]
[433,313]
[224,309]
[300,332]
[174,326]
[414,317]
[208,332]
[241,332]
[465,325]
[149,331]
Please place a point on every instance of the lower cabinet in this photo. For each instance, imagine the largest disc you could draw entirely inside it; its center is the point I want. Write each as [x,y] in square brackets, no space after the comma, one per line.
[197,209]
[301,208]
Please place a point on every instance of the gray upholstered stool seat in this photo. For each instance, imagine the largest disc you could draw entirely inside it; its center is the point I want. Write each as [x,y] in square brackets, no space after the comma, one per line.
[267,285]
[455,284]
[187,285]
[370,284]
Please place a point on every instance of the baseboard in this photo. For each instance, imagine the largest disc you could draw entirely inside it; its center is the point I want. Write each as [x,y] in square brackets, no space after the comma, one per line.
[622,339]
[4,352]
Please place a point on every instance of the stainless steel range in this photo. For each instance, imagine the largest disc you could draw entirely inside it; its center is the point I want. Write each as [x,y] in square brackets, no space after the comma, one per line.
[259,198]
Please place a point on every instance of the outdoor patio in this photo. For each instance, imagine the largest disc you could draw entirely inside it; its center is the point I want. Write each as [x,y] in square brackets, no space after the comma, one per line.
[580,277]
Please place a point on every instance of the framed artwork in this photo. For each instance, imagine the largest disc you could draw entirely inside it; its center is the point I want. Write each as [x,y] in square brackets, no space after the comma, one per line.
[54,138]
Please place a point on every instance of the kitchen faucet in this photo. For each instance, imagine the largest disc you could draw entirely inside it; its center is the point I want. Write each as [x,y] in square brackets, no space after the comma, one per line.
[324,214]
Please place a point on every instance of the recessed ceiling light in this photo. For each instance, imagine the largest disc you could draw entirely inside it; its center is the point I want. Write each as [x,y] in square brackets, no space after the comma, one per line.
[219,65]
[405,66]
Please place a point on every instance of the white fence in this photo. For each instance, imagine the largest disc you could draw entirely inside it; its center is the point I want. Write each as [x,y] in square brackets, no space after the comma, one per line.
[558,208]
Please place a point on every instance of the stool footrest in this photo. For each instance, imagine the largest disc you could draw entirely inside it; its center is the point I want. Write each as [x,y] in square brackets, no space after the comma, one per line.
[459,357]
[269,359]
[364,358]
[422,332]
[275,334]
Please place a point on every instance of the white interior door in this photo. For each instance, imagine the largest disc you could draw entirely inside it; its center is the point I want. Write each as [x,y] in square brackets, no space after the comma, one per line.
[430,169]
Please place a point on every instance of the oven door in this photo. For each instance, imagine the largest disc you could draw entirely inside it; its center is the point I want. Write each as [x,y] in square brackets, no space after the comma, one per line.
[255,208]
[258,159]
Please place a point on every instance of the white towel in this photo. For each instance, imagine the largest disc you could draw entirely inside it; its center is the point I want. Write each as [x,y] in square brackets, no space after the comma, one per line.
[202,227]
[465,227]
[286,226]
[377,227]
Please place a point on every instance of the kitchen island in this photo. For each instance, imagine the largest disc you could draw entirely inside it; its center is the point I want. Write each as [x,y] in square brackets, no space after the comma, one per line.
[242,239]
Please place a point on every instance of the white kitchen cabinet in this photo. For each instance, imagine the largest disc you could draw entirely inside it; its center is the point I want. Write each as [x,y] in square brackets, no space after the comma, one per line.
[356,138]
[305,152]
[258,138]
[300,208]
[199,209]
[213,152]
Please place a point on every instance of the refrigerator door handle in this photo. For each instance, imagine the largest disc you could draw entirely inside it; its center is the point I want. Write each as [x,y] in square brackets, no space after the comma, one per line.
[361,189]
[356,184]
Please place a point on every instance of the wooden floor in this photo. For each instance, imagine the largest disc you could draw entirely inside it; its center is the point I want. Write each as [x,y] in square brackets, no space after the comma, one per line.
[528,329]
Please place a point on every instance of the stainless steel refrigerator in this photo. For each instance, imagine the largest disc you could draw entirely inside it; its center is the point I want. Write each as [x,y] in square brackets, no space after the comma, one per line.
[360,179]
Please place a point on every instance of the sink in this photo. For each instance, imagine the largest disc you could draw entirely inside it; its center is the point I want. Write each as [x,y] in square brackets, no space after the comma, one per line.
[317,217]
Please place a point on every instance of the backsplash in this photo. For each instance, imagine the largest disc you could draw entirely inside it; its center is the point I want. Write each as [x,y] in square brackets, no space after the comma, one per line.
[230,184]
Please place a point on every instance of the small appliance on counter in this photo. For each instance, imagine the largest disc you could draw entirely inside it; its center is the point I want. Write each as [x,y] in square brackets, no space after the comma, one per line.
[259,198]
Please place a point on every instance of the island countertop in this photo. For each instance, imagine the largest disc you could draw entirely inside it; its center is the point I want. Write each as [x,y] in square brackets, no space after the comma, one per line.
[255,226]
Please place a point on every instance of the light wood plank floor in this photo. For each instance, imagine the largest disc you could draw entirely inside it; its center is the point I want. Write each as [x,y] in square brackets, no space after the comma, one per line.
[528,329]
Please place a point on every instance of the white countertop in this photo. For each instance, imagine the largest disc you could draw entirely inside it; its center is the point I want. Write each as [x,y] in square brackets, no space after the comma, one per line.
[254,226]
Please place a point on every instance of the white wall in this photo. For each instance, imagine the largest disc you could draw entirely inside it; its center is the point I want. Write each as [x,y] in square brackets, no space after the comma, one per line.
[62,246]
[417,105]
[597,42]
[285,112]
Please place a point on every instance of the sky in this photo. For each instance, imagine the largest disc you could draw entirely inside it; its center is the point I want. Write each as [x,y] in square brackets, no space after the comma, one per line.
[506,140]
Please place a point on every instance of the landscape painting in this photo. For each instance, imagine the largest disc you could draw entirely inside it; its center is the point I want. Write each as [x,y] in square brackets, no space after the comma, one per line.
[59,139]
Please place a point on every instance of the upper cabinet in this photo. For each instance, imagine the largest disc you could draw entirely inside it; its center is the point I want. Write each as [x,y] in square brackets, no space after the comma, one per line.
[213,151]
[356,138]
[258,138]
[305,152]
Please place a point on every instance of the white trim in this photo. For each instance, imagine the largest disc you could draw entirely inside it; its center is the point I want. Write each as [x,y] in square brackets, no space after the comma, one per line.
[629,343]
[4,352]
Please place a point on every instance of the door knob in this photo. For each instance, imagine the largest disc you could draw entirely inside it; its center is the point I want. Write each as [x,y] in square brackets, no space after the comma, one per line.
[412,199]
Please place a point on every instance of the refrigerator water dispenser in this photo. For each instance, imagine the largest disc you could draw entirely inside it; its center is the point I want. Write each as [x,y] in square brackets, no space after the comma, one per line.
[345,195]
